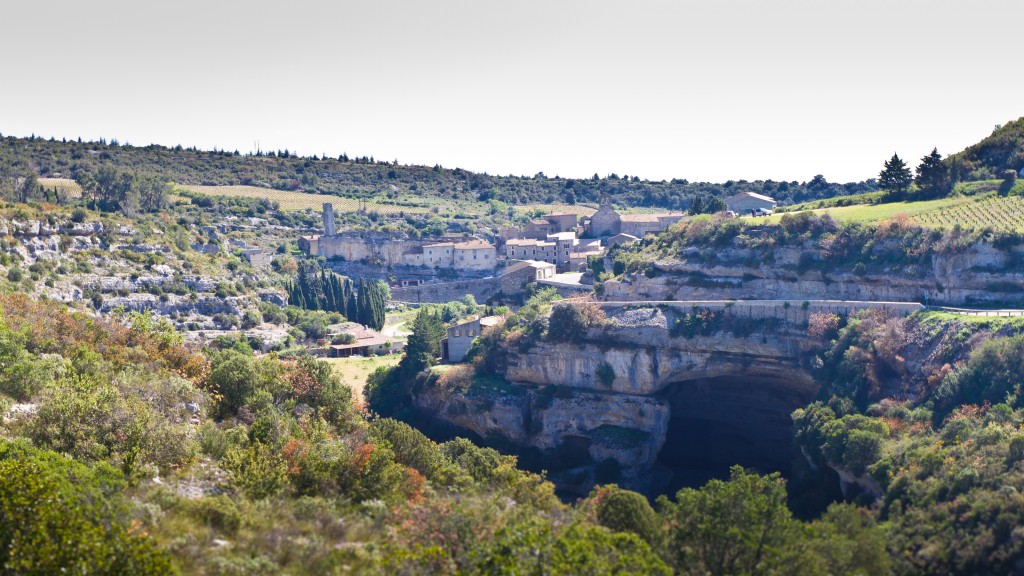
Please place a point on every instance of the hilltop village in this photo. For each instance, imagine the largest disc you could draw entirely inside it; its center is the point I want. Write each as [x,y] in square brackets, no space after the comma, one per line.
[553,250]
[367,376]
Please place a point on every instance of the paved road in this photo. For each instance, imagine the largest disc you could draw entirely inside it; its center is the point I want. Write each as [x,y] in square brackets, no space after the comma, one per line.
[1005,312]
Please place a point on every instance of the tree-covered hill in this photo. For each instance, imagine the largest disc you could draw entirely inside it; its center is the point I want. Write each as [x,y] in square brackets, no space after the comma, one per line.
[1001,151]
[367,177]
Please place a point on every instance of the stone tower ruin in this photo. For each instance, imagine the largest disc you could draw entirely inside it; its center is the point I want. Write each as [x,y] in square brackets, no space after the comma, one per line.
[328,219]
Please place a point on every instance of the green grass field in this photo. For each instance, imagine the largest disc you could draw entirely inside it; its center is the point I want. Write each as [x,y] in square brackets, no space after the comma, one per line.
[976,206]
[877,212]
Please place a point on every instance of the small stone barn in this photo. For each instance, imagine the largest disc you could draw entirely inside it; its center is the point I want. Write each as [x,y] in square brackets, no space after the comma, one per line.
[744,202]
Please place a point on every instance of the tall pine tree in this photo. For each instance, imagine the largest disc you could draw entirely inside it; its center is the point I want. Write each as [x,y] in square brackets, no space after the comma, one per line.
[895,178]
[933,176]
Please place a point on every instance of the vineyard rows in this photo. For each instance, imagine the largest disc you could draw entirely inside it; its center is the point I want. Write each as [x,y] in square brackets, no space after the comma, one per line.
[998,213]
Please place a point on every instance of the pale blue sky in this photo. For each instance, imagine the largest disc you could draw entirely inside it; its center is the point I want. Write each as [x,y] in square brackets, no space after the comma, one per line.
[712,90]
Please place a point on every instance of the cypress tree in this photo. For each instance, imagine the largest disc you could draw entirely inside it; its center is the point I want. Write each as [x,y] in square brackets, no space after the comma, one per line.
[361,304]
[339,295]
[351,305]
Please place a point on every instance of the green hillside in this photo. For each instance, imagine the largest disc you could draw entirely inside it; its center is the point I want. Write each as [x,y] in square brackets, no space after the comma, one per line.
[369,178]
[1001,151]
[974,205]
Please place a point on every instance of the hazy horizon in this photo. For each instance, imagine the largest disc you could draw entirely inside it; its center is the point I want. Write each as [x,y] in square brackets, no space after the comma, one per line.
[733,90]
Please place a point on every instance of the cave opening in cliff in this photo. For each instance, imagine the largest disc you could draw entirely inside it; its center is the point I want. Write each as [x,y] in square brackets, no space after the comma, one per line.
[716,423]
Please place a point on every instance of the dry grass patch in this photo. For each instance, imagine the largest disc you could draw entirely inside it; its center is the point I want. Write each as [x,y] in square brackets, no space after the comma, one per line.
[354,371]
[63,185]
[289,200]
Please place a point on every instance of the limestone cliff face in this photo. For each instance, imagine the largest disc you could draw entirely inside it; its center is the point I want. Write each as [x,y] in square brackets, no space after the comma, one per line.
[554,401]
[646,368]
[977,274]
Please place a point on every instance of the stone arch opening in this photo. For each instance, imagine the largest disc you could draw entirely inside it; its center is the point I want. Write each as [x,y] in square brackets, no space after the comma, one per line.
[722,421]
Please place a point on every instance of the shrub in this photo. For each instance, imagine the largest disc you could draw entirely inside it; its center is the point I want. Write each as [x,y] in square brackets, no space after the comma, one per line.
[482,464]
[218,512]
[606,374]
[1009,179]
[411,448]
[251,319]
[92,420]
[56,519]
[822,326]
[212,440]
[626,511]
[739,526]
[569,322]
[256,470]
[235,376]
[992,372]
[1016,451]
[345,338]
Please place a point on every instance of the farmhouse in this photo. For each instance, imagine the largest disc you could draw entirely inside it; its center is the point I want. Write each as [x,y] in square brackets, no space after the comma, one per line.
[744,202]
[365,343]
[460,337]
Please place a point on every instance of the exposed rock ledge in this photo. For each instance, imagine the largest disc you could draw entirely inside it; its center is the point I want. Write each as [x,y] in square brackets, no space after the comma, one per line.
[552,400]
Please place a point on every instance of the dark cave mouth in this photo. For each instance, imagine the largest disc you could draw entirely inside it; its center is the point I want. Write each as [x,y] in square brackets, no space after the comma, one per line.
[717,423]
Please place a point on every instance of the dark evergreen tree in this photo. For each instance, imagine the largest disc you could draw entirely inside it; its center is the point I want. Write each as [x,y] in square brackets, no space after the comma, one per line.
[424,344]
[895,178]
[707,205]
[697,205]
[933,176]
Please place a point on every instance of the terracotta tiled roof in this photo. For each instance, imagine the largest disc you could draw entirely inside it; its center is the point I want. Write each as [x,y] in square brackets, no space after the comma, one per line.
[473,245]
[362,342]
[652,218]
[527,242]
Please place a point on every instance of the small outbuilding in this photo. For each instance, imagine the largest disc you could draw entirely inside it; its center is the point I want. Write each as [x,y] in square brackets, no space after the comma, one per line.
[622,238]
[460,337]
[744,202]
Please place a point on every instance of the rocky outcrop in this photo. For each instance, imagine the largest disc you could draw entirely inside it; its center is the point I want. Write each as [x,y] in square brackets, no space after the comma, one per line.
[630,388]
[977,274]
[629,429]
[169,304]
